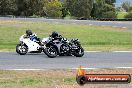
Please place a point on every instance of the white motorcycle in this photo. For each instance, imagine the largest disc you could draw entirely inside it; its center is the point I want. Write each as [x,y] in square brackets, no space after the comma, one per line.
[27,45]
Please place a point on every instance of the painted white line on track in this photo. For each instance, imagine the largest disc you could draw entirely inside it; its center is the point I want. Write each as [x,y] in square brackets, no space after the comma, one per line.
[124,27]
[122,51]
[106,68]
[124,67]
[86,68]
[111,51]
[93,51]
[90,24]
[69,68]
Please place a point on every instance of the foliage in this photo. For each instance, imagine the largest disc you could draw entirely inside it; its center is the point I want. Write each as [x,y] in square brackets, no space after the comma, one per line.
[57,8]
[79,8]
[121,14]
[53,8]
[109,14]
[110,1]
[29,7]
[129,15]
[8,7]
[130,9]
[103,9]
[65,12]
[126,6]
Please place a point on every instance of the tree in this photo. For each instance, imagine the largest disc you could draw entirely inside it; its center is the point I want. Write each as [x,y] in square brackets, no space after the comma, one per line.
[103,9]
[64,11]
[130,9]
[110,2]
[129,15]
[7,7]
[98,8]
[53,8]
[70,6]
[22,7]
[126,6]
[79,8]
[29,7]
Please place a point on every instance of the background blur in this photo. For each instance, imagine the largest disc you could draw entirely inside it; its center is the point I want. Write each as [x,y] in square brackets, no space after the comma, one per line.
[67,9]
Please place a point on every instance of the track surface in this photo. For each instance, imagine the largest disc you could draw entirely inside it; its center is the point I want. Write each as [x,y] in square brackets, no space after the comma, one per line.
[11,60]
[86,22]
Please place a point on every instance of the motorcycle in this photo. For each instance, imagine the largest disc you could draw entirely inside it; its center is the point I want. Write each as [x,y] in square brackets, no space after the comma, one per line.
[63,47]
[28,45]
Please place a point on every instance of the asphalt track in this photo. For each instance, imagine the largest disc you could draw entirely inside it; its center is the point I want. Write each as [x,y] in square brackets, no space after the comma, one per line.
[11,60]
[121,24]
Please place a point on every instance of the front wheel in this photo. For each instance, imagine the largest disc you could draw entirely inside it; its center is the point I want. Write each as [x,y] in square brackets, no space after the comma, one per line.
[81,80]
[79,53]
[21,49]
[50,51]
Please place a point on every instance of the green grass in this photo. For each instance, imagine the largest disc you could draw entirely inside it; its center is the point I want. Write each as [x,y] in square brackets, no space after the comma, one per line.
[91,37]
[121,14]
[50,78]
[34,79]
[69,80]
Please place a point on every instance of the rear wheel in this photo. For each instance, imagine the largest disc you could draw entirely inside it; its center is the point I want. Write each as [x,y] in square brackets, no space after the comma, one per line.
[21,49]
[51,51]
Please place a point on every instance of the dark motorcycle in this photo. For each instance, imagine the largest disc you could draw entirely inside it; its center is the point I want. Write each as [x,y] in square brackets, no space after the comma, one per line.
[63,47]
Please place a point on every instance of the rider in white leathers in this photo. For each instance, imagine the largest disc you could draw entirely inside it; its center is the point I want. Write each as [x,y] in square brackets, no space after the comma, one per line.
[31,35]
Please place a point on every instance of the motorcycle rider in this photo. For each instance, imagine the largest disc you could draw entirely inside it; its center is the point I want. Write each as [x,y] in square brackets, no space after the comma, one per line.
[32,36]
[55,35]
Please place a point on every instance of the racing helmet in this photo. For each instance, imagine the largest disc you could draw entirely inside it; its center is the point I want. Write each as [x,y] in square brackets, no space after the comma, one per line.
[54,34]
[29,32]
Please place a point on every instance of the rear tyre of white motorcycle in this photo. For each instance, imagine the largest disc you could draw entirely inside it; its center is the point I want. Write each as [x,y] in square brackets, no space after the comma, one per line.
[79,53]
[21,52]
[48,53]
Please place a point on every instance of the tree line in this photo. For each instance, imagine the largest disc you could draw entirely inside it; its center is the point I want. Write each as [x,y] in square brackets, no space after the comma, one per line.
[127,6]
[59,8]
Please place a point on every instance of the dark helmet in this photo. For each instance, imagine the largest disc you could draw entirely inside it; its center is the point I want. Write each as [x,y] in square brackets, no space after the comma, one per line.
[29,32]
[54,34]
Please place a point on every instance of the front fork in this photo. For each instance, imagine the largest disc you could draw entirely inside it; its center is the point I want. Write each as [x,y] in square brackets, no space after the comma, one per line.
[21,43]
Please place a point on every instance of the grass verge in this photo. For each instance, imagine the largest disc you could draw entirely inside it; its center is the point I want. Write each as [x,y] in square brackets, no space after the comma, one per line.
[53,78]
[92,37]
